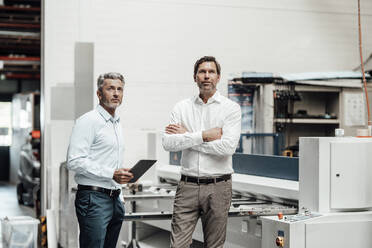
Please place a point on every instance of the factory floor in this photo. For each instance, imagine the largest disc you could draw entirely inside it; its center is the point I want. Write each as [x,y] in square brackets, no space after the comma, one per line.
[9,206]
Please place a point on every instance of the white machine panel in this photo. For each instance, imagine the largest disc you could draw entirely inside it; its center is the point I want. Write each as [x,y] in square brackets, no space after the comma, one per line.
[354,234]
[351,173]
[334,174]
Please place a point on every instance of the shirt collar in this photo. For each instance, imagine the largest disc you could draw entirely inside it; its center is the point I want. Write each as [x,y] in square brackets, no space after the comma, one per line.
[106,115]
[215,98]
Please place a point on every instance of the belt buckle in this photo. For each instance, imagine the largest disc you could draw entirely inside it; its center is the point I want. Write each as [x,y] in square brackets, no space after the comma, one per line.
[111,192]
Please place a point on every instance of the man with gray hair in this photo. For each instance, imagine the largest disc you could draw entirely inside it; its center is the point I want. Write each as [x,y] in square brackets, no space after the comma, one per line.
[95,154]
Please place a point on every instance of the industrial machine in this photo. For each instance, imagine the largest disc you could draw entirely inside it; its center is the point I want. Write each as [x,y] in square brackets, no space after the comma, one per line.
[25,150]
[335,197]
[29,171]
[277,109]
[322,199]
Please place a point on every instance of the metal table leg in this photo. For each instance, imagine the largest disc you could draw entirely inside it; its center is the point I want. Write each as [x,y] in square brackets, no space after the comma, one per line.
[133,242]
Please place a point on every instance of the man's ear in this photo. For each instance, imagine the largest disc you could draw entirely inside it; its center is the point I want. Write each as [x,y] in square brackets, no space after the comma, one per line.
[99,94]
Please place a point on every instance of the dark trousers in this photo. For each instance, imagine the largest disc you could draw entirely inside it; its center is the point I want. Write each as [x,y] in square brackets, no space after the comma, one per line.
[100,217]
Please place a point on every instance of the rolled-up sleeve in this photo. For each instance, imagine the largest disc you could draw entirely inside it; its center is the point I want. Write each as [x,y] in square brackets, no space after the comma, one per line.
[230,136]
[78,159]
[179,142]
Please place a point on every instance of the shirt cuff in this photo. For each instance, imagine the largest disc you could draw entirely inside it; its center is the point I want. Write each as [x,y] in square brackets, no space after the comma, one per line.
[197,137]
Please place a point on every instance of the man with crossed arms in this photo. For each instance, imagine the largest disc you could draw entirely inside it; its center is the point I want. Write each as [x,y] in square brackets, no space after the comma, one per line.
[206,128]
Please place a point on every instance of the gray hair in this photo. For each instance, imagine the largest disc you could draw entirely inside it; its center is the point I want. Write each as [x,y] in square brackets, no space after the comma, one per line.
[108,75]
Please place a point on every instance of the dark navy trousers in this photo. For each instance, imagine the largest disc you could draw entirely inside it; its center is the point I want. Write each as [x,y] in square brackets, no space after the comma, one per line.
[100,218]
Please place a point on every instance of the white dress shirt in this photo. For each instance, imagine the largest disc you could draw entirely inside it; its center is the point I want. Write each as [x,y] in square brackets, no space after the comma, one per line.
[96,149]
[205,159]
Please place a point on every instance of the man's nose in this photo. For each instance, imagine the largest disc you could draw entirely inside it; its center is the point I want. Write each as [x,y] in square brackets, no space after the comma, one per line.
[206,75]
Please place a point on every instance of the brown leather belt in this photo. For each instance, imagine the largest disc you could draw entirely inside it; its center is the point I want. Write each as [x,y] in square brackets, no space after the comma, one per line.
[111,192]
[204,180]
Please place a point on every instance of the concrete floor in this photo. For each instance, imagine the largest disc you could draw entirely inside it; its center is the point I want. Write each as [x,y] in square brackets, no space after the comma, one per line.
[9,206]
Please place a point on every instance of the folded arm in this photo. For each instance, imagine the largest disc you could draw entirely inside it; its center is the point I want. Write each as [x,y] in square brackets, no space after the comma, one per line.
[178,138]
[217,141]
[229,140]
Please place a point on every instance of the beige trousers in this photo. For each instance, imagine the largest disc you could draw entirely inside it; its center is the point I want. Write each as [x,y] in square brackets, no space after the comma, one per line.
[211,202]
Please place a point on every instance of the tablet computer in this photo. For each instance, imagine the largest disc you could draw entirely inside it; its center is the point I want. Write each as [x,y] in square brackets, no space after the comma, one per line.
[140,168]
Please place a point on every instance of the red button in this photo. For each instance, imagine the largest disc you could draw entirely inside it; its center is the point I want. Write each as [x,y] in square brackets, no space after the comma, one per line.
[280,215]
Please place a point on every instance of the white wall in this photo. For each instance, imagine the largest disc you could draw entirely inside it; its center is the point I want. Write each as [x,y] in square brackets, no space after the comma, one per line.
[155,43]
